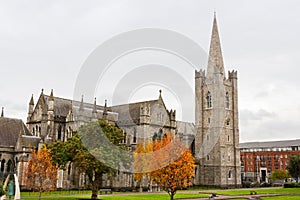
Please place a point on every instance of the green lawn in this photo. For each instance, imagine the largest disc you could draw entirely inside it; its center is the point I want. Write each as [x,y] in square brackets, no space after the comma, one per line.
[72,195]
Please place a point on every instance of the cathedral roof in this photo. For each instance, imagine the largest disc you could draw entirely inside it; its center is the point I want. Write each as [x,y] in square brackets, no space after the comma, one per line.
[10,129]
[131,112]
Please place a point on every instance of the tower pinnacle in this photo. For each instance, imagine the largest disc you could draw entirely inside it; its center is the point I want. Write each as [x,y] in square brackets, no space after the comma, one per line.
[215,58]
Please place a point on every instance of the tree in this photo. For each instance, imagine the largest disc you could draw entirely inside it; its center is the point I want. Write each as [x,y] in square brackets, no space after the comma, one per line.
[172,164]
[41,173]
[142,162]
[294,166]
[279,175]
[89,153]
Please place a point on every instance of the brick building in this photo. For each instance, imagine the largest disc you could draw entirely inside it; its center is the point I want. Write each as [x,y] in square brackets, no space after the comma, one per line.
[259,159]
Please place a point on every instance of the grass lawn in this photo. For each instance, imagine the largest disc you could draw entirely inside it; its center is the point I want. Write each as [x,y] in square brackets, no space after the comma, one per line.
[291,194]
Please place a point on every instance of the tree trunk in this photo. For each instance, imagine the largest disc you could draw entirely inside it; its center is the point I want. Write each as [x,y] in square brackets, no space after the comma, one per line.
[95,188]
[171,196]
[95,185]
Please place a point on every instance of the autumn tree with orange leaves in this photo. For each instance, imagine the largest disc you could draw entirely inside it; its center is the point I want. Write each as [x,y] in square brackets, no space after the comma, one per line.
[168,162]
[41,173]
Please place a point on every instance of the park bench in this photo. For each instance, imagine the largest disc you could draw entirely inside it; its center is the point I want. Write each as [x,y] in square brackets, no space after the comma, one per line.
[106,190]
[212,195]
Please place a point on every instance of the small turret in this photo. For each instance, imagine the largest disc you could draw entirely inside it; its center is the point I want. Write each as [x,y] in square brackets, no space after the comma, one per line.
[30,109]
[105,110]
[172,115]
[94,112]
[81,107]
[51,101]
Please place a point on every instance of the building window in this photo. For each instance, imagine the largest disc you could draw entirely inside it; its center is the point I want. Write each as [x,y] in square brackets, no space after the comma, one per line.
[208,120]
[207,157]
[124,139]
[2,165]
[230,174]
[69,171]
[227,100]
[134,135]
[209,100]
[59,133]
[229,158]
[269,157]
[9,166]
[228,138]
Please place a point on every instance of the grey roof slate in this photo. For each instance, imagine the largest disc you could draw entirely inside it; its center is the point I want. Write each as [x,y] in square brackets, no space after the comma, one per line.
[10,129]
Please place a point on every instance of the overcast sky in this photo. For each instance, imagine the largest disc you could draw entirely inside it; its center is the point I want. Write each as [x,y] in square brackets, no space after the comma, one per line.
[43,44]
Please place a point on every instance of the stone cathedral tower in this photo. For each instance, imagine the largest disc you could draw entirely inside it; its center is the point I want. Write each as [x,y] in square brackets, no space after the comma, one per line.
[216,117]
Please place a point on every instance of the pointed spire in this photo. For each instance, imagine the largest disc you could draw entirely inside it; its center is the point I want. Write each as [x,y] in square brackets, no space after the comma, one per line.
[215,58]
[51,98]
[95,106]
[81,107]
[2,112]
[160,94]
[105,110]
[31,102]
[42,93]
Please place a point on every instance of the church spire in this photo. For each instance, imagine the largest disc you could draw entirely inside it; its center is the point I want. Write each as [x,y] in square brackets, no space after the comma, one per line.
[215,58]
[95,106]
[31,102]
[105,110]
[81,107]
[51,98]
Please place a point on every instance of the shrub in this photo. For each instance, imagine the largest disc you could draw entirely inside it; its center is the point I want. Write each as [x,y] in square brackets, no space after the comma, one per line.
[291,185]
[1,190]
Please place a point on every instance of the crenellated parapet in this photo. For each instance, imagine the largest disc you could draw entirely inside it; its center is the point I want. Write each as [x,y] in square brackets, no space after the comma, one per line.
[200,73]
[232,74]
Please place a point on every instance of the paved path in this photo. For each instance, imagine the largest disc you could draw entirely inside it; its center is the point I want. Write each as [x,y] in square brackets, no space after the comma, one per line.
[253,197]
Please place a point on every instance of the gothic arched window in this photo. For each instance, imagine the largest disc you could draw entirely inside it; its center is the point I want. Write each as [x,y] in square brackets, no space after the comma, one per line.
[9,166]
[134,135]
[230,174]
[209,100]
[39,134]
[59,133]
[227,100]
[2,165]
[69,171]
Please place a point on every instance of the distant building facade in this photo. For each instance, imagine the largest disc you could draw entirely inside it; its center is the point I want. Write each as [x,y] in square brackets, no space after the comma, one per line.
[260,159]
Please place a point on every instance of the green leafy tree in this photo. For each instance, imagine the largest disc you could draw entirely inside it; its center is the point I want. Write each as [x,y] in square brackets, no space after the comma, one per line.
[294,166]
[92,150]
[279,175]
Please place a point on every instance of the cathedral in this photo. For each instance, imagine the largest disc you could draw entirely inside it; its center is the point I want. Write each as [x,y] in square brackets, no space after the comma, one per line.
[214,137]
